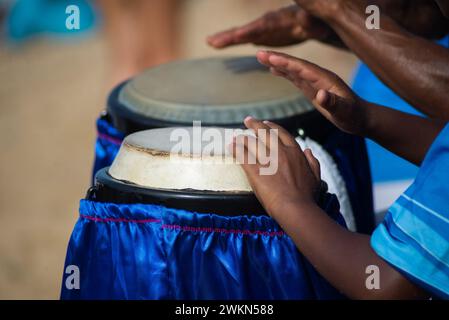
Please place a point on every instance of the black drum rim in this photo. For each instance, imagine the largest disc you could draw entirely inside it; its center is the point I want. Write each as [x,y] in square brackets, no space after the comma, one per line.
[110,190]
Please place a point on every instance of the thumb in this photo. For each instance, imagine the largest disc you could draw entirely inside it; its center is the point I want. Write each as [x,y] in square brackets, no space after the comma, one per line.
[340,111]
[327,100]
[313,163]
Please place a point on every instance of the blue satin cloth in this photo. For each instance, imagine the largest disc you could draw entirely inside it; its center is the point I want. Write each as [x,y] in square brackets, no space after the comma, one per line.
[414,237]
[142,251]
[349,153]
[107,145]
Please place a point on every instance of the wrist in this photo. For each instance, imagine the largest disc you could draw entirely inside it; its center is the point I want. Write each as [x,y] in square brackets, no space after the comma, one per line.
[331,12]
[342,11]
[292,207]
[368,118]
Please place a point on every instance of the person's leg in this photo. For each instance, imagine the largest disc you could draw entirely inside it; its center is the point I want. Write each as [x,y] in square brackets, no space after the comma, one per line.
[156,22]
[118,28]
[140,33]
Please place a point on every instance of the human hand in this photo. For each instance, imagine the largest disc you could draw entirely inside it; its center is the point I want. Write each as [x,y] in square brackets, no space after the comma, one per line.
[286,26]
[297,178]
[329,94]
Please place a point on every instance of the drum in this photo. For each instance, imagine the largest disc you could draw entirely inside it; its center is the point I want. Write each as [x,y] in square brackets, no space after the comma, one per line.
[160,224]
[221,92]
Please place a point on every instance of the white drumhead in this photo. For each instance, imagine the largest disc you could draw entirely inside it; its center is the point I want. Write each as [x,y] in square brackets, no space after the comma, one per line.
[168,158]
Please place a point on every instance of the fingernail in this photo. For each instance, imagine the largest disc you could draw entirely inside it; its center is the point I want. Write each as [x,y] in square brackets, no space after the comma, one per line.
[266,121]
[248,118]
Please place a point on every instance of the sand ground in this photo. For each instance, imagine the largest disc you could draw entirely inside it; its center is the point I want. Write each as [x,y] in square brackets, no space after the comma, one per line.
[50,95]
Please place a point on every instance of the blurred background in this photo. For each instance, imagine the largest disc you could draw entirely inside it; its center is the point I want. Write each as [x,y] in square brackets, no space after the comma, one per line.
[54,84]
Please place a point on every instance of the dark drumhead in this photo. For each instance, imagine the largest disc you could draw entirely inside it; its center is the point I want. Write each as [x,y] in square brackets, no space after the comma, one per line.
[108,189]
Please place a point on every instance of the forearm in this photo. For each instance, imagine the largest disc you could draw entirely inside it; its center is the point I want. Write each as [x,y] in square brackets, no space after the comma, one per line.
[406,135]
[419,17]
[339,255]
[398,58]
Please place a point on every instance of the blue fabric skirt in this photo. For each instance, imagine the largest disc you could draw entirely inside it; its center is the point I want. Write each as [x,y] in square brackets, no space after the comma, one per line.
[141,251]
[107,145]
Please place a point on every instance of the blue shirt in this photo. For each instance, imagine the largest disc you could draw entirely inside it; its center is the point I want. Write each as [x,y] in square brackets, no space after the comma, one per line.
[414,237]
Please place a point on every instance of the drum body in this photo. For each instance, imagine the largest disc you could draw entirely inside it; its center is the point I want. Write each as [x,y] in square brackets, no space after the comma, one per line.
[222,92]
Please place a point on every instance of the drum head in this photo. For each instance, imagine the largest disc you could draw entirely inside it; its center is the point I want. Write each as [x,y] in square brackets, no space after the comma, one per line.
[219,91]
[181,158]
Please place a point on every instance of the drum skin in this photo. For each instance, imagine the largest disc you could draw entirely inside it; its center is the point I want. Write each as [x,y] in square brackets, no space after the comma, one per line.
[143,251]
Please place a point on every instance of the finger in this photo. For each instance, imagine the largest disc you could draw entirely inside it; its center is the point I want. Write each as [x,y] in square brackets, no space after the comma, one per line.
[238,35]
[262,56]
[223,39]
[329,101]
[250,32]
[287,76]
[313,163]
[300,68]
[333,107]
[261,130]
[304,69]
[278,72]
[244,150]
[281,69]
[251,170]
[284,136]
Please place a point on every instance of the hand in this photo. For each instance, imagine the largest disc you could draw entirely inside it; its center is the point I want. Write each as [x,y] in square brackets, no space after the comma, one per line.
[286,26]
[328,93]
[297,178]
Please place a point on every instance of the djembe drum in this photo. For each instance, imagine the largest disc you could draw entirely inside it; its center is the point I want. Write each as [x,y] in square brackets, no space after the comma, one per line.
[222,92]
[164,225]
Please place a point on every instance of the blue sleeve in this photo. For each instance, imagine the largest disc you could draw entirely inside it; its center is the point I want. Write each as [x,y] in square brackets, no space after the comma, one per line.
[414,236]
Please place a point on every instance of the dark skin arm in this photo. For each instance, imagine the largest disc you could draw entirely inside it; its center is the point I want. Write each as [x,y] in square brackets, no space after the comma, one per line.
[397,56]
[293,25]
[289,196]
[416,69]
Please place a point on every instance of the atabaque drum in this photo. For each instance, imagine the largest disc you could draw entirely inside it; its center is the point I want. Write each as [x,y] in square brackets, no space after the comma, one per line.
[183,223]
[221,92]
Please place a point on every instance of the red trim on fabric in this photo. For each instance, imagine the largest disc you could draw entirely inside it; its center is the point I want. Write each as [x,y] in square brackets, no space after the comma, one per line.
[96,219]
[187,228]
[109,138]
[220,230]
